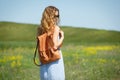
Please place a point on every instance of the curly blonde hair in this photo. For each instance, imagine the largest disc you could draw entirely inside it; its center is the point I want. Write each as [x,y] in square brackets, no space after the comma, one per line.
[49,19]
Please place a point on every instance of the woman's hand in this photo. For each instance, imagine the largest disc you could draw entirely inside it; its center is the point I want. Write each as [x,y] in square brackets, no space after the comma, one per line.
[61,34]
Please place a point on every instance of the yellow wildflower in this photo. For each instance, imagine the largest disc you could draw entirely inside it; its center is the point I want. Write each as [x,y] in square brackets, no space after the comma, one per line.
[12,58]
[102,61]
[19,57]
[13,64]
[18,63]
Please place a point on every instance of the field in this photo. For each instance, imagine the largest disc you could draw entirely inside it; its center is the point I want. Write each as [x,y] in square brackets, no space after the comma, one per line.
[85,58]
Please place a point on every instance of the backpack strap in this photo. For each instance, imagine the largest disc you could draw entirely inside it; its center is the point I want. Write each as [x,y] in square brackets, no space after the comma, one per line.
[35,55]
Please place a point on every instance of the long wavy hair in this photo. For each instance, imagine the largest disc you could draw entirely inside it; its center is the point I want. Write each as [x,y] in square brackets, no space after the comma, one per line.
[49,19]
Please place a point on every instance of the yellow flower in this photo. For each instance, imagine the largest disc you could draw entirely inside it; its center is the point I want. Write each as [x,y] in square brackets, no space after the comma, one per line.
[90,50]
[13,64]
[19,57]
[94,49]
[12,58]
[18,63]
[102,61]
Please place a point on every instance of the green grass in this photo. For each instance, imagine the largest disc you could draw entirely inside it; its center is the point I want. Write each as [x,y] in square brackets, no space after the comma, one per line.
[17,32]
[80,62]
[27,32]
[84,35]
[80,65]
[89,54]
[22,69]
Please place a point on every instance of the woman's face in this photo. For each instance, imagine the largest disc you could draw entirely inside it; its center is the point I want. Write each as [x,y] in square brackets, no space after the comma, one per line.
[56,14]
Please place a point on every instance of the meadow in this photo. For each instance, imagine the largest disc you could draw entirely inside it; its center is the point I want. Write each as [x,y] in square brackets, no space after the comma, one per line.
[85,58]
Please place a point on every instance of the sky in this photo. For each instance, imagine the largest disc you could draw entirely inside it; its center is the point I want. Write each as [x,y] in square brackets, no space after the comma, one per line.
[98,14]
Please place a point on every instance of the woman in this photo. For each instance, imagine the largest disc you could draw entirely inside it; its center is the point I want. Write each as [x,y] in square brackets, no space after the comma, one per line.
[49,23]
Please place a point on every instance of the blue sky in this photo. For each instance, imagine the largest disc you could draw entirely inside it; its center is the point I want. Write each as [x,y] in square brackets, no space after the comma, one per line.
[100,14]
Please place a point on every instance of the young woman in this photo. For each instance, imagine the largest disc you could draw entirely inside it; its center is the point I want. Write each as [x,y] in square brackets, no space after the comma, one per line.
[49,23]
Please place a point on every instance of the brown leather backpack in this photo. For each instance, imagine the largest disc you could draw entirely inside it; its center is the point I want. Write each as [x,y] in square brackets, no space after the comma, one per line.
[45,49]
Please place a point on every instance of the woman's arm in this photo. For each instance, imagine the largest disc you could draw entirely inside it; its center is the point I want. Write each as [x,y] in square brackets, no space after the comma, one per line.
[57,32]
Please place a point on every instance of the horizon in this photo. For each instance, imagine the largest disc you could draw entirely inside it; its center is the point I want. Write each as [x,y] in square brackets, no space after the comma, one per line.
[101,14]
[60,26]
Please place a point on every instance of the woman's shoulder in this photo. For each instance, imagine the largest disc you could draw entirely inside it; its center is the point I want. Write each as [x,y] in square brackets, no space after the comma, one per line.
[57,28]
